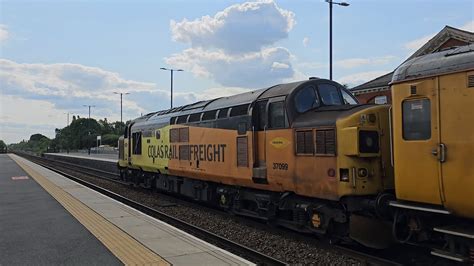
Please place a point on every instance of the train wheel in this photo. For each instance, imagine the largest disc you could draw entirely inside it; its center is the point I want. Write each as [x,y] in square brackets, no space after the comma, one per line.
[401,229]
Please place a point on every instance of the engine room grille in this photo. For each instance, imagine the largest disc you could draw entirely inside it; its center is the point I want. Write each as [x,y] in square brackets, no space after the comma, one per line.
[174,135]
[304,142]
[184,134]
[470,81]
[326,141]
[242,151]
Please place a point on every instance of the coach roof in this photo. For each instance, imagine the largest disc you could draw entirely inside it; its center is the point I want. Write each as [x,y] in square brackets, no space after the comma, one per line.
[452,60]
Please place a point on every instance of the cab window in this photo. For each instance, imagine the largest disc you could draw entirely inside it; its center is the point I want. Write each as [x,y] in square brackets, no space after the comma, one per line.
[277,115]
[306,99]
[416,119]
[329,94]
[348,99]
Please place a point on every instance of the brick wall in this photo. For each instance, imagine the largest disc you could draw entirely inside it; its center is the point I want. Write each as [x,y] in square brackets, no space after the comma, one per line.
[370,97]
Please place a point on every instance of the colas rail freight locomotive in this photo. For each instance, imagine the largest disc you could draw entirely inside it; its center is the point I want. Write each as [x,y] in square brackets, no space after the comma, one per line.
[307,156]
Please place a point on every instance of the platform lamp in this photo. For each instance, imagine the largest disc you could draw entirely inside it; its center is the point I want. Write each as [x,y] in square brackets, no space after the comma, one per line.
[89,109]
[121,96]
[171,70]
[330,2]
[68,113]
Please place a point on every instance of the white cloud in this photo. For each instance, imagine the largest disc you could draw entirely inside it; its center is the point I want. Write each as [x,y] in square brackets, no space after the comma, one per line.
[250,70]
[20,118]
[35,97]
[469,26]
[305,41]
[233,47]
[3,33]
[239,28]
[68,86]
[361,77]
[357,62]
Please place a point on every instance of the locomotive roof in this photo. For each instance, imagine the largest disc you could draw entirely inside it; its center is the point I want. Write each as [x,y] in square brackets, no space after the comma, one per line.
[223,102]
[452,60]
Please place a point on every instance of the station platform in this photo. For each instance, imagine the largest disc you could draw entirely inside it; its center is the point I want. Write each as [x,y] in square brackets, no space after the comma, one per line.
[47,219]
[113,158]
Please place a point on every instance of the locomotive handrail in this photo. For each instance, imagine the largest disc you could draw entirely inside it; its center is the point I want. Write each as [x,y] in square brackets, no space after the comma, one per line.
[390,135]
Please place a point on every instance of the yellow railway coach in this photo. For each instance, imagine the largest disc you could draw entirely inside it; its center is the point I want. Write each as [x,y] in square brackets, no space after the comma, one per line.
[433,151]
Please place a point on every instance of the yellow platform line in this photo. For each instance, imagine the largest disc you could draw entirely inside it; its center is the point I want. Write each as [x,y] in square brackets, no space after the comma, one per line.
[123,246]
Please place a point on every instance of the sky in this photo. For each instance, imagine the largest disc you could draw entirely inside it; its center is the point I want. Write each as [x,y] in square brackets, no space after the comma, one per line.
[57,56]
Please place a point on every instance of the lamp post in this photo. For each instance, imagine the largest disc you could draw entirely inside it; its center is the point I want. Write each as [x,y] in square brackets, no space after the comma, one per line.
[171,70]
[89,109]
[330,2]
[68,117]
[121,94]
[88,126]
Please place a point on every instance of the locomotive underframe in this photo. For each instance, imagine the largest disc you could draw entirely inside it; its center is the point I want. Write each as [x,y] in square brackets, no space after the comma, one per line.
[298,213]
[436,231]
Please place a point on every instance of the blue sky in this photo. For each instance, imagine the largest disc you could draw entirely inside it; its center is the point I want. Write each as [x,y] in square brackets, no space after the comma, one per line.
[59,55]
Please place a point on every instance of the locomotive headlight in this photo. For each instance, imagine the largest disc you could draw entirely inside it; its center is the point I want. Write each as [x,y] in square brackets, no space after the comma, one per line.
[362,172]
[368,141]
[344,174]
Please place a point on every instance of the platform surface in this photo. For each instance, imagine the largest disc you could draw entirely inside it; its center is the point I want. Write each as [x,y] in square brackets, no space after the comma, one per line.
[36,230]
[93,156]
[167,244]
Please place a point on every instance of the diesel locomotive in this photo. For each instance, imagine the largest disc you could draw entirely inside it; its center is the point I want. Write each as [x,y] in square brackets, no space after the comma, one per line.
[304,155]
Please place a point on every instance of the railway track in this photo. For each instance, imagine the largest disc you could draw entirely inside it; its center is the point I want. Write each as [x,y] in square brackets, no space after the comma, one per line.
[361,255]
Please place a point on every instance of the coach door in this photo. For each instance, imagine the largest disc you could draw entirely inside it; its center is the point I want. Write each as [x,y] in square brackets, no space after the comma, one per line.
[259,128]
[457,140]
[417,150]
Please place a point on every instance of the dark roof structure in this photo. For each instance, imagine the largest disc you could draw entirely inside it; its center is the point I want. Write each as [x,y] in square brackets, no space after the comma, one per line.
[447,38]
[435,64]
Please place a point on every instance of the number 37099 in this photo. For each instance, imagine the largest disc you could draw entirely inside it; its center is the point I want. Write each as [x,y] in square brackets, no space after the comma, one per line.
[280,166]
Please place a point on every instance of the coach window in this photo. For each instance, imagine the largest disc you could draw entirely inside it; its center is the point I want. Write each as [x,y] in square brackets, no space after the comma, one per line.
[306,99]
[416,119]
[329,94]
[277,115]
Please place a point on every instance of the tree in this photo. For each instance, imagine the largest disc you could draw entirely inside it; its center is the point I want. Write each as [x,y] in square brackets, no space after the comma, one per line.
[37,137]
[3,146]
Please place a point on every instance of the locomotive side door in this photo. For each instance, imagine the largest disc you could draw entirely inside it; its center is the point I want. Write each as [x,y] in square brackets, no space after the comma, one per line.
[259,128]
[416,139]
[456,148]
[129,146]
